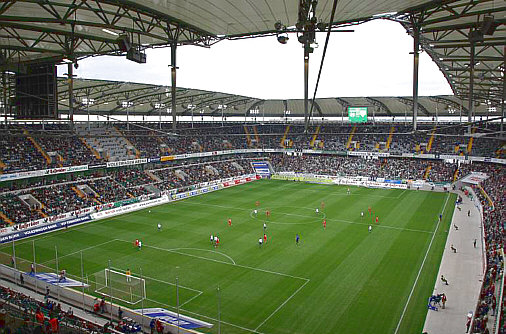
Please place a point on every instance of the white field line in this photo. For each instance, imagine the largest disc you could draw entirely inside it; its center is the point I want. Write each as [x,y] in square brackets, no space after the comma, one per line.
[205,250]
[402,193]
[420,270]
[192,298]
[303,216]
[74,228]
[351,194]
[81,250]
[205,316]
[116,297]
[223,262]
[158,280]
[280,306]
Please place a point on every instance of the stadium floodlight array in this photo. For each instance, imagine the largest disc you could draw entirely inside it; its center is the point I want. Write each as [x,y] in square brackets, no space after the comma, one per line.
[128,289]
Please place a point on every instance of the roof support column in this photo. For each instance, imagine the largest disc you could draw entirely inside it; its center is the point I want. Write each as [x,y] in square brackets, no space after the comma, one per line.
[503,92]
[88,107]
[306,89]
[70,74]
[4,89]
[416,56]
[173,46]
[471,88]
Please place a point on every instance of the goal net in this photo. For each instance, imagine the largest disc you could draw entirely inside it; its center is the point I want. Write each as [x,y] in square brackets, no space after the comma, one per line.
[127,288]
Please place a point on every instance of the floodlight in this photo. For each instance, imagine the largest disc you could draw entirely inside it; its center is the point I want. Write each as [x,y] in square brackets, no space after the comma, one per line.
[283,39]
[321,26]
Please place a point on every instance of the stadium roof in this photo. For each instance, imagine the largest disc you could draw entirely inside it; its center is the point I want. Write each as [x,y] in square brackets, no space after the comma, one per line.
[113,98]
[33,30]
[57,29]
[446,34]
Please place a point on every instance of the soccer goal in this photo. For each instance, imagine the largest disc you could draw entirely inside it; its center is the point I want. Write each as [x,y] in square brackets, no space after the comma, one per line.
[127,288]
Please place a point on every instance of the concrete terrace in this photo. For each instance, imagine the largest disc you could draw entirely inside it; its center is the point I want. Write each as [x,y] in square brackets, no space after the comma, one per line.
[463,270]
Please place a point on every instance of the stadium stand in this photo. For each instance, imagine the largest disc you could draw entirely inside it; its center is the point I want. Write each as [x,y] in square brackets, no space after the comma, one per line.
[63,147]
[28,315]
[494,216]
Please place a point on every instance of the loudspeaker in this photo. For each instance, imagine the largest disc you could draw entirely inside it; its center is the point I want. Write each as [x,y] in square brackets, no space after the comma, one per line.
[475,36]
[124,43]
[136,56]
[488,26]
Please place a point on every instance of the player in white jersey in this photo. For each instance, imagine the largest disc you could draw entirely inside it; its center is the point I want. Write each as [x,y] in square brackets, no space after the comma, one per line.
[370,228]
[317,210]
[159,227]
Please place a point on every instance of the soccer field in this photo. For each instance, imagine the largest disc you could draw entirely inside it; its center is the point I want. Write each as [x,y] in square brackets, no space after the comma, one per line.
[342,279]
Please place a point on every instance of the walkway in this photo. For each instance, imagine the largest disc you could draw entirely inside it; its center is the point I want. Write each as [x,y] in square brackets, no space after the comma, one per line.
[462,269]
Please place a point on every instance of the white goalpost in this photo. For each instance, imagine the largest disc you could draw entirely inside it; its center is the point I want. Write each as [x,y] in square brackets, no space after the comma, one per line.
[127,288]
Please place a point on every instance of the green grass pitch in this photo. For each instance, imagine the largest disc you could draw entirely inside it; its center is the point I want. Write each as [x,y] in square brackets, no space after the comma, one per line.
[341,279]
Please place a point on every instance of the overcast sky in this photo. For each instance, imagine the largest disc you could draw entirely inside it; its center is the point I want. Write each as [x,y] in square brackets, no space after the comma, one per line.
[372,61]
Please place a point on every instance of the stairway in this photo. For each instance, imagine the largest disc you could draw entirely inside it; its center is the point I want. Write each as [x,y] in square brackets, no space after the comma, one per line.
[95,152]
[431,139]
[43,214]
[78,192]
[38,147]
[350,138]
[284,136]
[315,136]
[471,141]
[427,172]
[455,175]
[255,131]
[6,219]
[153,176]
[60,160]
[389,139]
[248,137]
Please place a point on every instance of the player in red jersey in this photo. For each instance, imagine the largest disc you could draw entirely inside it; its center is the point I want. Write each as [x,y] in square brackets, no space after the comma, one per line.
[136,243]
[268,213]
[377,219]
[324,223]
[265,238]
[229,221]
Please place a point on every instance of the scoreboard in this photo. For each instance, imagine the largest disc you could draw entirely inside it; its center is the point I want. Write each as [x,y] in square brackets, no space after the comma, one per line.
[357,114]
